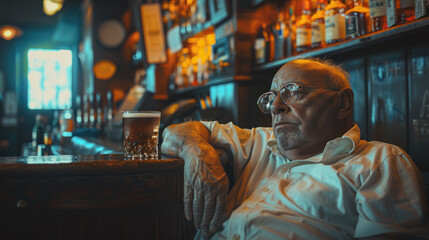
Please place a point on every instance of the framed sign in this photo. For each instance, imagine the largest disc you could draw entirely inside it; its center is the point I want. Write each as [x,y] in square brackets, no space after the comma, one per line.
[219,10]
[153,33]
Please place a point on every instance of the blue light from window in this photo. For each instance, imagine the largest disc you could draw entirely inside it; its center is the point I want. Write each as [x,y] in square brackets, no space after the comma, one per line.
[49,79]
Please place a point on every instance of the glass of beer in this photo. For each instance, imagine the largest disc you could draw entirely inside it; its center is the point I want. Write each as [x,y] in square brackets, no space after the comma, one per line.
[141,130]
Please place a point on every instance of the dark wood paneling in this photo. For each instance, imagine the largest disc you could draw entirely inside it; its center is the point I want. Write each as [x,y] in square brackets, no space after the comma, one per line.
[70,225]
[356,69]
[387,96]
[419,106]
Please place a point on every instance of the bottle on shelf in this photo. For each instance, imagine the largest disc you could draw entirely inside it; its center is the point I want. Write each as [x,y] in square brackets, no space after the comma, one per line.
[79,117]
[399,12]
[303,28]
[292,27]
[38,130]
[349,4]
[67,122]
[335,22]
[421,8]
[313,6]
[262,45]
[92,112]
[318,25]
[287,36]
[109,109]
[85,111]
[55,127]
[357,20]
[47,140]
[99,111]
[278,30]
[377,13]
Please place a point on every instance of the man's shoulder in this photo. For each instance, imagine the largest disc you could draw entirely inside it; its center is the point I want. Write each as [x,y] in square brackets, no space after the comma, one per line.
[378,152]
[379,146]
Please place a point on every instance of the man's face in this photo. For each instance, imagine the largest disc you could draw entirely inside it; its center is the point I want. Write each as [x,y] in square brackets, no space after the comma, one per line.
[306,125]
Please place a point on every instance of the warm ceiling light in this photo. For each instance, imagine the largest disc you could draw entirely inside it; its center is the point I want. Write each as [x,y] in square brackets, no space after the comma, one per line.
[50,7]
[9,32]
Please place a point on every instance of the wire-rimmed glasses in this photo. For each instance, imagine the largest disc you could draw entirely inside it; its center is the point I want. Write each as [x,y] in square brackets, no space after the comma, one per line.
[289,94]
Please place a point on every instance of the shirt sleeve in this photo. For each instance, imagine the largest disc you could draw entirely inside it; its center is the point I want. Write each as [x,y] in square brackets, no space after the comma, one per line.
[392,200]
[236,141]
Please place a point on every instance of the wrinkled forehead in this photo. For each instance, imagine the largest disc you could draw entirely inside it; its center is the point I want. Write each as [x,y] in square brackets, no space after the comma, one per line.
[301,74]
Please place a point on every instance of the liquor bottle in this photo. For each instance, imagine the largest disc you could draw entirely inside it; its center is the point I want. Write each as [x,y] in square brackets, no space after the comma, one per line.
[335,22]
[278,30]
[38,130]
[303,28]
[99,111]
[318,25]
[287,36]
[292,27]
[365,3]
[262,45]
[47,139]
[377,13]
[109,108]
[79,117]
[92,112]
[349,4]
[399,12]
[56,127]
[67,122]
[421,8]
[356,20]
[313,6]
[271,48]
[85,114]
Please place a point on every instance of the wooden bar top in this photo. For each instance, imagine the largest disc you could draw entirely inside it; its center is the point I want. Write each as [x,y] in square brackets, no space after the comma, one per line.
[92,197]
[75,165]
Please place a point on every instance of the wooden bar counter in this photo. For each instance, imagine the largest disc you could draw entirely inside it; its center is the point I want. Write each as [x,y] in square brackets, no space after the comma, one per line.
[91,197]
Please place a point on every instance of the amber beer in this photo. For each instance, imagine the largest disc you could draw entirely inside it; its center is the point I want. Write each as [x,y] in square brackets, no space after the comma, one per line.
[141,134]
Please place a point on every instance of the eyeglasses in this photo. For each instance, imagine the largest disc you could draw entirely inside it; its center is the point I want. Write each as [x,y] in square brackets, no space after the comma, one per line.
[289,94]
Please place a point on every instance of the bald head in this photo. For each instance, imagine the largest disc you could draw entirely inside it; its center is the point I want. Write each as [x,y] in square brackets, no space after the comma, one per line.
[323,72]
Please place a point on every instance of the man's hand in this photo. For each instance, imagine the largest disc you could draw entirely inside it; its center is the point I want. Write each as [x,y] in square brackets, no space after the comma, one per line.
[205,181]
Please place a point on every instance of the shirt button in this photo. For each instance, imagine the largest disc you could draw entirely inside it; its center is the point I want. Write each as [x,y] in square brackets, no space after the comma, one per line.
[265,189]
[236,237]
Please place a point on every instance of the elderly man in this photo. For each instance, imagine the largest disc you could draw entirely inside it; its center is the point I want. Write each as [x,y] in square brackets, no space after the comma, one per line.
[310,176]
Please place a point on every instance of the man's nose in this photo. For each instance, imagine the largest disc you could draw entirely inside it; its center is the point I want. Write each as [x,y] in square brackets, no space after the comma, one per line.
[278,106]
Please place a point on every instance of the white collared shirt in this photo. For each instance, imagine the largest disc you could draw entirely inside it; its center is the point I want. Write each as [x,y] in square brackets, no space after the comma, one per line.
[353,189]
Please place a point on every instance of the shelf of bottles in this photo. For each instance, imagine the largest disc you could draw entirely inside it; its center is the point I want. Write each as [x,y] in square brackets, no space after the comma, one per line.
[193,62]
[312,28]
[189,15]
[193,43]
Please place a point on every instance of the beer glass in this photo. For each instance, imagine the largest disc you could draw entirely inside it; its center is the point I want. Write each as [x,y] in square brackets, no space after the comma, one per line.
[141,134]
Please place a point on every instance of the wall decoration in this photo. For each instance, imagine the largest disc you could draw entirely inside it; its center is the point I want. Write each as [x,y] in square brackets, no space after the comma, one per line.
[111,33]
[104,70]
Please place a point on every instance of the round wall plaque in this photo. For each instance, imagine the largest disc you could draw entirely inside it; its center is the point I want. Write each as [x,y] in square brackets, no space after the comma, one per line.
[104,69]
[111,33]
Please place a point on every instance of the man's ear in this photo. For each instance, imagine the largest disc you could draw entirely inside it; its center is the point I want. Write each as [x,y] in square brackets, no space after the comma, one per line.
[345,108]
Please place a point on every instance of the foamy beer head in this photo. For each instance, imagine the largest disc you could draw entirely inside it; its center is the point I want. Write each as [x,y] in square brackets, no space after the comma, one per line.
[141,130]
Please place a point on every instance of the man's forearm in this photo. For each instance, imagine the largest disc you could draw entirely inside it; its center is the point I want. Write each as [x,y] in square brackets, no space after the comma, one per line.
[179,138]
[205,182]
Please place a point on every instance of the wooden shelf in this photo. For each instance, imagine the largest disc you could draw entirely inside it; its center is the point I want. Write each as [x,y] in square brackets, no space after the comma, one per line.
[354,44]
[212,82]
[197,29]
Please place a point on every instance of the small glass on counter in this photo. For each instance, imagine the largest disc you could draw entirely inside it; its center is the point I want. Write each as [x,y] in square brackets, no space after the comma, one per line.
[141,129]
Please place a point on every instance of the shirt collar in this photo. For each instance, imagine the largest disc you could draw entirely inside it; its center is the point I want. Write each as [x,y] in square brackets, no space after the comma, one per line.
[345,144]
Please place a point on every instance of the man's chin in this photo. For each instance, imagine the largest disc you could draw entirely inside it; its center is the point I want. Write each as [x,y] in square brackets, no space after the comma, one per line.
[287,141]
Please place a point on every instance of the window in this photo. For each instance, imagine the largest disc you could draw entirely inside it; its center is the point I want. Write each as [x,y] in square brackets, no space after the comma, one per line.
[49,79]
